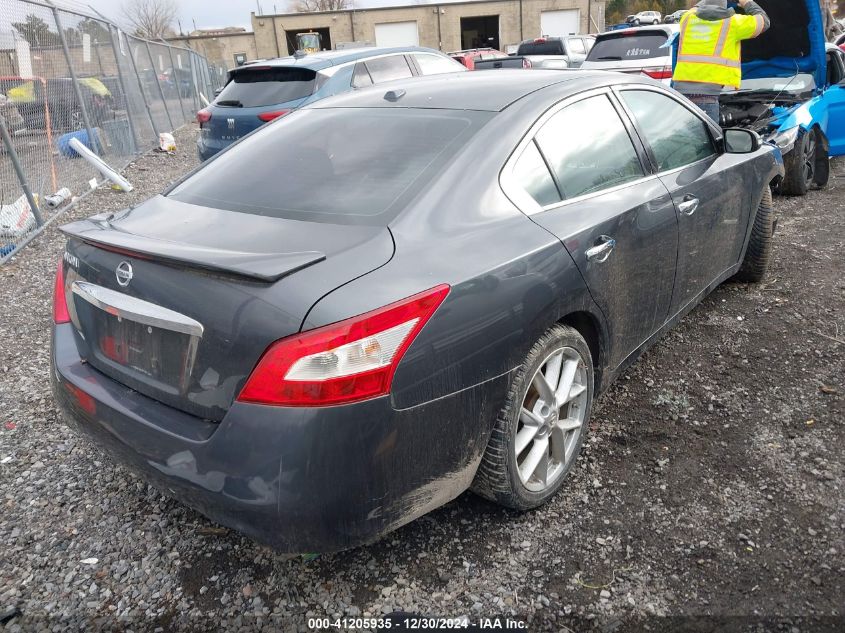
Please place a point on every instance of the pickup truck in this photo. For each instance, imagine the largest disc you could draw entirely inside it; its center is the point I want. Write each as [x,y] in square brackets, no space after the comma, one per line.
[545,52]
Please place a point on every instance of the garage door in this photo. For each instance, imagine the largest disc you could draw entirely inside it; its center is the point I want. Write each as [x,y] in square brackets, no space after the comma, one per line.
[559,23]
[397,34]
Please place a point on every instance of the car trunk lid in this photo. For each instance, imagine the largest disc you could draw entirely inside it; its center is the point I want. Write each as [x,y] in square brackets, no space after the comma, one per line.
[178,301]
[633,51]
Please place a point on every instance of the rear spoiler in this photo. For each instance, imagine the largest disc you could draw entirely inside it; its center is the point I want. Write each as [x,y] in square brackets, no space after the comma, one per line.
[267,267]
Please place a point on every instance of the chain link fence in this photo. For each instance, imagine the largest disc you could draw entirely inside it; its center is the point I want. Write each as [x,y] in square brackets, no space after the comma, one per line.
[64,75]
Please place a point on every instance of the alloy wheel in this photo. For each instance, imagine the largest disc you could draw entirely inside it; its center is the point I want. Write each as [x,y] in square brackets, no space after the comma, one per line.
[551,420]
[809,159]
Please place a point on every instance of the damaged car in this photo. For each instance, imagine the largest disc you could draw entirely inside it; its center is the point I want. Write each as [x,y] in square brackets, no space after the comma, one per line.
[331,329]
[792,93]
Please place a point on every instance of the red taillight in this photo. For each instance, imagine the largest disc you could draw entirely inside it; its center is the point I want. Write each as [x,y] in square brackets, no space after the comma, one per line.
[269,116]
[658,73]
[540,40]
[60,313]
[203,116]
[344,362]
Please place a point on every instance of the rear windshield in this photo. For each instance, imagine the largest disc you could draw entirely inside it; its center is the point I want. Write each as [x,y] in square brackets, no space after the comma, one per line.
[344,166]
[619,47]
[266,86]
[549,47]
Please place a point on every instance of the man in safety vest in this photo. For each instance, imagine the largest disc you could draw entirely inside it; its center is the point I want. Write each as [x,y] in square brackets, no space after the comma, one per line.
[709,50]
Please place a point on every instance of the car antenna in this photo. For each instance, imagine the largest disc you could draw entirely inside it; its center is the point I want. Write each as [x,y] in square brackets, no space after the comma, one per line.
[394,95]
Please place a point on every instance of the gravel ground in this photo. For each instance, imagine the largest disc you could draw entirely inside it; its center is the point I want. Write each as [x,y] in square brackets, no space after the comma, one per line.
[710,491]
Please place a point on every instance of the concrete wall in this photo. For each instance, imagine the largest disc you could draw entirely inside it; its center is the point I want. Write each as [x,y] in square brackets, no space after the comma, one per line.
[444,34]
[220,49]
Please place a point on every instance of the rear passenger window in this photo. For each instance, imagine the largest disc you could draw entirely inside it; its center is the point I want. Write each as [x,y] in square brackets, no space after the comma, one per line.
[677,137]
[532,174]
[361,77]
[588,148]
[388,68]
[436,64]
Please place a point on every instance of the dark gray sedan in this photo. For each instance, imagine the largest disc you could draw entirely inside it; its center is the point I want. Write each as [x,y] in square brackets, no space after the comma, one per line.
[363,309]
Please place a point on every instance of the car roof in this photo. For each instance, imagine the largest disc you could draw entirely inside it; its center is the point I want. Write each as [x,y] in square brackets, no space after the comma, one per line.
[324,59]
[490,91]
[669,29]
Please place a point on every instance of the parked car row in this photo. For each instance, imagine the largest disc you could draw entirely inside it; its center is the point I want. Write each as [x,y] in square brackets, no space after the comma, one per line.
[545,52]
[261,92]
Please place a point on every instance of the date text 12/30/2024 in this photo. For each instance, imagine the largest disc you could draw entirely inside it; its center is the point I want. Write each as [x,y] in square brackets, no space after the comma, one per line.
[416,623]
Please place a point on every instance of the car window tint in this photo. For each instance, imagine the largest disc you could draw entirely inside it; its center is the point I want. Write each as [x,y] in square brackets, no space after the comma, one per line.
[267,85]
[344,165]
[388,68]
[532,174]
[677,137]
[642,45]
[361,77]
[576,45]
[542,46]
[588,148]
[436,65]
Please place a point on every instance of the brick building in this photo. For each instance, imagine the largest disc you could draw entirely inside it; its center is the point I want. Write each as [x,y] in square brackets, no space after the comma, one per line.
[501,24]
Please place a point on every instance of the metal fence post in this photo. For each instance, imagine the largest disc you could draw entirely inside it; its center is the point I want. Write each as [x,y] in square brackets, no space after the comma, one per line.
[195,88]
[120,78]
[141,88]
[92,140]
[176,81]
[16,163]
[158,83]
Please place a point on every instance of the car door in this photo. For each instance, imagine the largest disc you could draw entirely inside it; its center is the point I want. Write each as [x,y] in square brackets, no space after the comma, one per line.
[583,172]
[710,199]
[834,101]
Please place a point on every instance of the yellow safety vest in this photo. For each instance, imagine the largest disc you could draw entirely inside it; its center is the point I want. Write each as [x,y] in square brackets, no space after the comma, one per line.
[710,50]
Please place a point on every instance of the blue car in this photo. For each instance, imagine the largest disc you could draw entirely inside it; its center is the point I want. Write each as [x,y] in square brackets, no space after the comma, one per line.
[260,92]
[793,93]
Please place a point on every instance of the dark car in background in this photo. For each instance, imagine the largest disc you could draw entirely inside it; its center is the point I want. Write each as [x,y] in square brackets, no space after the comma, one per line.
[331,328]
[674,18]
[177,79]
[257,93]
[36,98]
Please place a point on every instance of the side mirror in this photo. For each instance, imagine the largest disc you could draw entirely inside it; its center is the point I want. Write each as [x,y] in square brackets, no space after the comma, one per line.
[741,141]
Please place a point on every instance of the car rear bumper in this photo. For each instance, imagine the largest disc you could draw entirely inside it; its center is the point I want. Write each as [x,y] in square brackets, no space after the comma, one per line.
[206,150]
[299,479]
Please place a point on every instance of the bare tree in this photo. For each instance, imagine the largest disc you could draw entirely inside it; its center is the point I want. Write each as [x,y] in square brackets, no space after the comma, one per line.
[309,6]
[150,18]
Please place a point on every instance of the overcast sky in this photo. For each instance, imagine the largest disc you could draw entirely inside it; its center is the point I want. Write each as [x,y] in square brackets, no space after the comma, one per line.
[220,13]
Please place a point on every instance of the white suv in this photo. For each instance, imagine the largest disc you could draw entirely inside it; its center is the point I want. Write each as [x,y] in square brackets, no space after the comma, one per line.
[648,17]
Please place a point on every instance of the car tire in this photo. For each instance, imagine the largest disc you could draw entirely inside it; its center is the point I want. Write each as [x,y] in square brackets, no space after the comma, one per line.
[759,252]
[801,164]
[533,445]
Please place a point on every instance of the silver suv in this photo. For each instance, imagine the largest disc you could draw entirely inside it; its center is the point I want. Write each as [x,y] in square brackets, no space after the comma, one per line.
[648,17]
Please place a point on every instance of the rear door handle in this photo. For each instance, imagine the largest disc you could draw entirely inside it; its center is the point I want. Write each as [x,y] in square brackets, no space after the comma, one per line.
[600,252]
[689,205]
